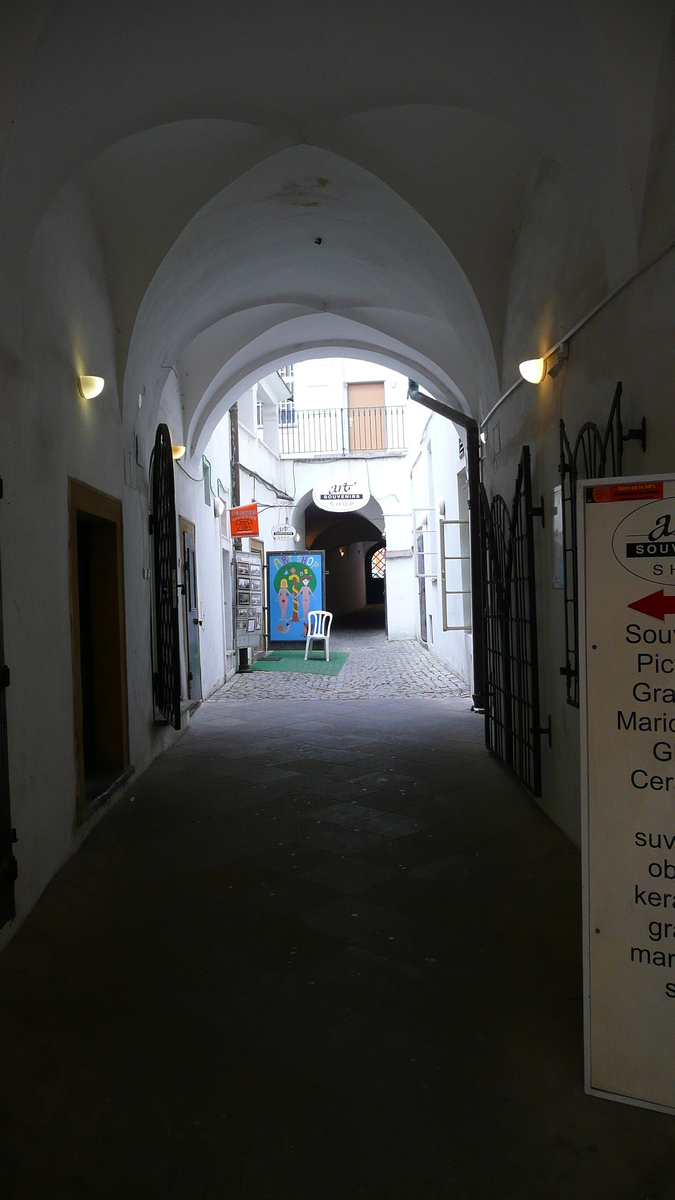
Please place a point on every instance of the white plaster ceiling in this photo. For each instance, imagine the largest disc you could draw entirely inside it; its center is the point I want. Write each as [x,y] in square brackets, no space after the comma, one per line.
[195,131]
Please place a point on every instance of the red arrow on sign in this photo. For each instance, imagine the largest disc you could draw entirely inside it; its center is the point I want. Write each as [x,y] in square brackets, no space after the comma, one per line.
[656,605]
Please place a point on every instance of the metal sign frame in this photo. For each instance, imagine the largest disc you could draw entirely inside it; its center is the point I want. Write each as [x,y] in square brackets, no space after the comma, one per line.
[605,856]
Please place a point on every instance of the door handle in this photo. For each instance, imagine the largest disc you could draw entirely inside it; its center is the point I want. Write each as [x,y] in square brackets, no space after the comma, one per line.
[195,621]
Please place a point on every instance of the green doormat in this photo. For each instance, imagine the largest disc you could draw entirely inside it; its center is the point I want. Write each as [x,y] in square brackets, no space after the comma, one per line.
[294,660]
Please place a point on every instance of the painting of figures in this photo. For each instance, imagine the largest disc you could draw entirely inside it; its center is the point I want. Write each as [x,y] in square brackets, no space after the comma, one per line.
[295,584]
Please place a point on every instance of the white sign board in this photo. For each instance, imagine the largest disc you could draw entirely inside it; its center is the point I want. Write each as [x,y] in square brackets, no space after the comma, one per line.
[341,495]
[283,531]
[627,663]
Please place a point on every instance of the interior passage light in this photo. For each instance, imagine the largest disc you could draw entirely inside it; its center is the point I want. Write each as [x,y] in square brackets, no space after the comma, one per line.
[178,451]
[218,507]
[89,386]
[533,369]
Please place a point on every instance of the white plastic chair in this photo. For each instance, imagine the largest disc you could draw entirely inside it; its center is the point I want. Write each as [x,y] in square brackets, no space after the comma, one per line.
[318,630]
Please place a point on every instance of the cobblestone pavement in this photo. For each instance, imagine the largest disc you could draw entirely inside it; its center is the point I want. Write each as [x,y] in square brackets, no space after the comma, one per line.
[376,667]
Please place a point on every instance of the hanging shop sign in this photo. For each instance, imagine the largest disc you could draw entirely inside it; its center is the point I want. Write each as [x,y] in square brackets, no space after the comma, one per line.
[295,586]
[341,495]
[627,644]
[244,521]
[283,532]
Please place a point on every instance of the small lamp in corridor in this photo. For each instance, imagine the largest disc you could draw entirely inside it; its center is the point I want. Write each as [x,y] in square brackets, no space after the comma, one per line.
[218,507]
[177,451]
[90,386]
[533,369]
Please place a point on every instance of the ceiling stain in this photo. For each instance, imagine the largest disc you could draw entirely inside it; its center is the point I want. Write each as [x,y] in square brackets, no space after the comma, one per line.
[306,193]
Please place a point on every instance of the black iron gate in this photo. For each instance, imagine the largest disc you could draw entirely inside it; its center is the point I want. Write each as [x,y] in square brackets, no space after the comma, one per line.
[593,456]
[7,835]
[166,678]
[512,722]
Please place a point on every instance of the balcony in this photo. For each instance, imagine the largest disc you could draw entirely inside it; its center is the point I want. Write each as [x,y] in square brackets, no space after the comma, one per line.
[341,431]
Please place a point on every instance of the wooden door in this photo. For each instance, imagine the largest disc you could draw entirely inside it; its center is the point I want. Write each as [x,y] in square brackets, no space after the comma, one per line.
[367,428]
[98,645]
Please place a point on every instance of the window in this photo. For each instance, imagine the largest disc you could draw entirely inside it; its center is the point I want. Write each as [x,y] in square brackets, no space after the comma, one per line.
[259,413]
[377,564]
[287,412]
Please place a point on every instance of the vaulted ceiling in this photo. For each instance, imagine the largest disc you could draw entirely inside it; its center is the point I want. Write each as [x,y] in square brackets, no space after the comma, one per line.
[214,144]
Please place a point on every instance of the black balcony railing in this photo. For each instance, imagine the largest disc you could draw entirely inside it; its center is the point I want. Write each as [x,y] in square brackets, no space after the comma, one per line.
[341,430]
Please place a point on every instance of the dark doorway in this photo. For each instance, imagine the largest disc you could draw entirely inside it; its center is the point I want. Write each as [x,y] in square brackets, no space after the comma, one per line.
[193,667]
[99,660]
[375,575]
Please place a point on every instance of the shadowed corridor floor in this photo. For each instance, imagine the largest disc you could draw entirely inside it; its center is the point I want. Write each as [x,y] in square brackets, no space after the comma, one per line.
[326,951]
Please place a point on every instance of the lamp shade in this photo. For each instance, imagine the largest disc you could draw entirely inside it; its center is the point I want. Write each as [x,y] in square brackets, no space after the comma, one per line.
[89,386]
[533,369]
[178,451]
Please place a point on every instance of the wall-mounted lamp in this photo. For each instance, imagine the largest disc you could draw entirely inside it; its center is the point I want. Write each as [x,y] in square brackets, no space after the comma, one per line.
[483,436]
[296,538]
[218,507]
[89,386]
[440,506]
[342,551]
[533,369]
[178,451]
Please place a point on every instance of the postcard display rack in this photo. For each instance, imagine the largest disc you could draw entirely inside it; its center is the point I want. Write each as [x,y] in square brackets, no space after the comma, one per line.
[249,598]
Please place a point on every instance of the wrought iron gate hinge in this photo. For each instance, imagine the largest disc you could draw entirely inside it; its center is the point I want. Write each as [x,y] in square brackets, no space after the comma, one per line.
[151,523]
[637,435]
[4,677]
[540,512]
[545,729]
[568,672]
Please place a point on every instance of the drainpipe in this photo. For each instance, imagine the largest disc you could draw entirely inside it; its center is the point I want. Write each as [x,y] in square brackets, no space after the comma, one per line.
[236,500]
[473,465]
[476,562]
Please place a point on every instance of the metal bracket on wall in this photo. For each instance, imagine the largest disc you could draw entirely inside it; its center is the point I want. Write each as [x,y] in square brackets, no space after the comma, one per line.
[637,435]
[545,730]
[540,512]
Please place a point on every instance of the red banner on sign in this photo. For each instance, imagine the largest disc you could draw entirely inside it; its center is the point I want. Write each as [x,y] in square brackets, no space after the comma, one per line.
[244,521]
[607,493]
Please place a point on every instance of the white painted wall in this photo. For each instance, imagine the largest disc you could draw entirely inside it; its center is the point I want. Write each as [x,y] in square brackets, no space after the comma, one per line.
[439,481]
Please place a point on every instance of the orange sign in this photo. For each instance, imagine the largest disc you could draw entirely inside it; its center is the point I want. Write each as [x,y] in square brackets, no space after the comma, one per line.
[244,521]
[608,493]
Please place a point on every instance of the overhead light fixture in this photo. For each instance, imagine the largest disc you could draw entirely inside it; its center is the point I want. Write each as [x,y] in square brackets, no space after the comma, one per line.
[89,386]
[533,369]
[218,507]
[178,451]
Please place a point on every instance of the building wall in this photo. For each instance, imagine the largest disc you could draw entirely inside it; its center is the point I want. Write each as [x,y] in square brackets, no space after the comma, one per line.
[439,482]
[632,340]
